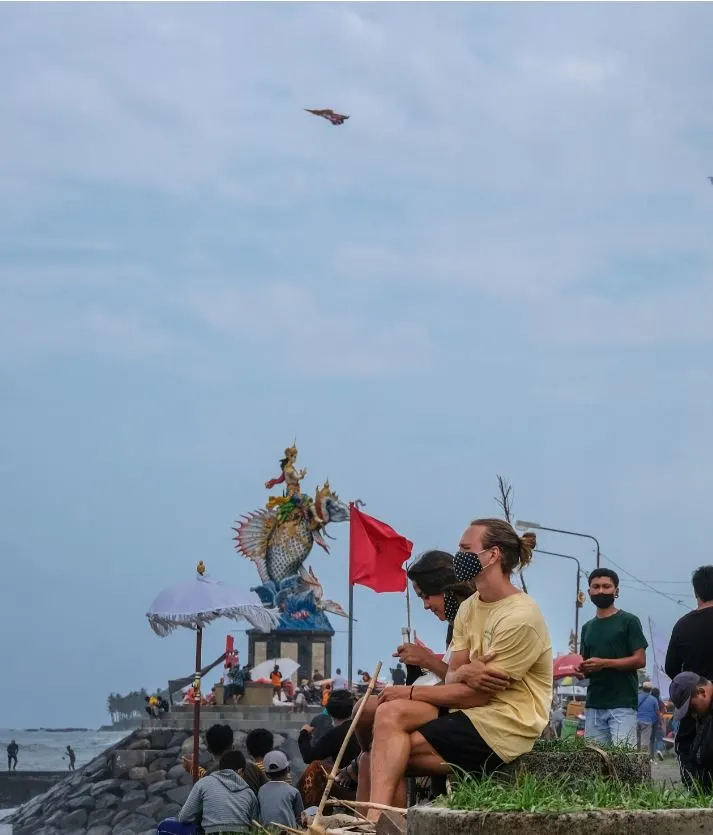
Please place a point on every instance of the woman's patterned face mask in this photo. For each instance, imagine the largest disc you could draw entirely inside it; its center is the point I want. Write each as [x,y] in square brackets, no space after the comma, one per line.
[450,606]
[467,564]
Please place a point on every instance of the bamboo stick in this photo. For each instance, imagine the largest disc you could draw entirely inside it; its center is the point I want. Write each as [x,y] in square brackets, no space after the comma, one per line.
[365,804]
[316,825]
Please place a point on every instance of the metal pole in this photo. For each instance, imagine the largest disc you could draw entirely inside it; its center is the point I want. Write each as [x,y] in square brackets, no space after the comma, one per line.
[350,638]
[537,527]
[576,599]
[197,705]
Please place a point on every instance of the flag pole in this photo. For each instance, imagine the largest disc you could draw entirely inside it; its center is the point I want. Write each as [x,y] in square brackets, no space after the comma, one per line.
[408,611]
[350,638]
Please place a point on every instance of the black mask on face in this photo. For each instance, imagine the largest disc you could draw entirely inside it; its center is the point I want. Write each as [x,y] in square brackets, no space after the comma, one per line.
[602,601]
[466,565]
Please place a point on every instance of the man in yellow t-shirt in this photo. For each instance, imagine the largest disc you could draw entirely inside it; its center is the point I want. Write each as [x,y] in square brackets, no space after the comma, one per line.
[498,691]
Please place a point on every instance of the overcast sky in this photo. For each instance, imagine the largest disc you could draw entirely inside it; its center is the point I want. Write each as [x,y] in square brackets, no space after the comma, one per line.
[502,263]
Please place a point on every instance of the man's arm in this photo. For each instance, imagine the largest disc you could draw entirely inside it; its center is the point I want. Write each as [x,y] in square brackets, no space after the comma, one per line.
[450,695]
[630,664]
[192,808]
[674,655]
[458,659]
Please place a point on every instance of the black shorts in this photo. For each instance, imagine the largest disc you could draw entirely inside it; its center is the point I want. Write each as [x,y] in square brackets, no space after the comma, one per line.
[454,738]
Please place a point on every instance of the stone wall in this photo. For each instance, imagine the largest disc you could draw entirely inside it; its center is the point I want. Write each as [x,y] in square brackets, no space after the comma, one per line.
[20,786]
[126,790]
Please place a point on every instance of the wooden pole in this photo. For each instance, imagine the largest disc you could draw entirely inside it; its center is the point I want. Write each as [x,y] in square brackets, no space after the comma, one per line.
[337,762]
[197,705]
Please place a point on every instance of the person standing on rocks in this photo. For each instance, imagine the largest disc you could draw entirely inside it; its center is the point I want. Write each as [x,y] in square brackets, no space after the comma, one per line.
[614,648]
[12,751]
[72,757]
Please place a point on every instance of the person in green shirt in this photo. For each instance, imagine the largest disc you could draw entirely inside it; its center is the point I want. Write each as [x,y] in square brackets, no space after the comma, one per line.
[613,647]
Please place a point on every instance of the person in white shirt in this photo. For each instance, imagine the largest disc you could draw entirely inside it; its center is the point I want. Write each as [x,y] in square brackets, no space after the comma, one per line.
[339,682]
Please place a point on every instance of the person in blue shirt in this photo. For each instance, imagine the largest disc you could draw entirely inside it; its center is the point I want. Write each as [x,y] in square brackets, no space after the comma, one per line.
[648,716]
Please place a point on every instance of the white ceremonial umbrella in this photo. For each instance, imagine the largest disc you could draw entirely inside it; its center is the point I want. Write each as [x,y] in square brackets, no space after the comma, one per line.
[287,666]
[194,604]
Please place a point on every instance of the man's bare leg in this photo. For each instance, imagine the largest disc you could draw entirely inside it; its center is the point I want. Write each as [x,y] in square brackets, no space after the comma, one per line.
[363,731]
[391,749]
[364,785]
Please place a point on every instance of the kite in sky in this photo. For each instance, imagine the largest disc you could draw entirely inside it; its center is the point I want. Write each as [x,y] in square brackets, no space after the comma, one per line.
[329,115]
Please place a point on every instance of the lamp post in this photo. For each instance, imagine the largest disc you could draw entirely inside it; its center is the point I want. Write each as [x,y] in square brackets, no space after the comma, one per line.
[577,604]
[535,526]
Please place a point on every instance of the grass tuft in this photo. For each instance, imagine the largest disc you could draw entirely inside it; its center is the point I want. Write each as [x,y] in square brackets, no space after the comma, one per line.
[543,795]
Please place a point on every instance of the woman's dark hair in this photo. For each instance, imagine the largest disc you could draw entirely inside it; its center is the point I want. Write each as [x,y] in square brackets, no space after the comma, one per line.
[433,573]
[259,742]
[340,704]
[219,739]
[233,759]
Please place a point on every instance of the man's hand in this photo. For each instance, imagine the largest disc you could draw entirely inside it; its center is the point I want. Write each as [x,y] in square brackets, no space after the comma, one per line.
[307,728]
[478,676]
[392,694]
[594,665]
[413,654]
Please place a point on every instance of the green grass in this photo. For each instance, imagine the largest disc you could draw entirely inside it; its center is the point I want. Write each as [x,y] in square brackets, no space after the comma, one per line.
[579,743]
[529,793]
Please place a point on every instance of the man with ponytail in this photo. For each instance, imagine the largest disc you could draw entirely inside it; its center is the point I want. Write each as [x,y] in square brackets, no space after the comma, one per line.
[476,721]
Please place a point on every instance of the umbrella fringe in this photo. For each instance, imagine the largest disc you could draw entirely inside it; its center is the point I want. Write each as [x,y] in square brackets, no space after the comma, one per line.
[264,620]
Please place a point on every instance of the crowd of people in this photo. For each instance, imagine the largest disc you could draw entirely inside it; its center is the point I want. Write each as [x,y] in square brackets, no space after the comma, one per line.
[494,697]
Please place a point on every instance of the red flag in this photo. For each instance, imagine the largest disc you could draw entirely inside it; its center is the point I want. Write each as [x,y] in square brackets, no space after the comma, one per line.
[376,553]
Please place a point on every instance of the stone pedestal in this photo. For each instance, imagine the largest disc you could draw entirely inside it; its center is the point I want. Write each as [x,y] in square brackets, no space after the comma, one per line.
[312,649]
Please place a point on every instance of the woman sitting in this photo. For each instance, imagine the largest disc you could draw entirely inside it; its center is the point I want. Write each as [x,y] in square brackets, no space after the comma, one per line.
[434,582]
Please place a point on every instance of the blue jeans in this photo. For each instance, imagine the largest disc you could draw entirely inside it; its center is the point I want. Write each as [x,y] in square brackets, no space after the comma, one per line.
[610,727]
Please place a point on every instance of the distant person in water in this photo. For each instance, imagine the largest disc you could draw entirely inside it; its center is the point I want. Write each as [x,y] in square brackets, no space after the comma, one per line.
[12,751]
[72,757]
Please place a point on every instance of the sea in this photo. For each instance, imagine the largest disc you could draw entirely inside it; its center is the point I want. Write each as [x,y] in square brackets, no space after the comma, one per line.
[45,750]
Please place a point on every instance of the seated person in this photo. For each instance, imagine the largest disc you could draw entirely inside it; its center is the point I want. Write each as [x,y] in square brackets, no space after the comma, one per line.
[280,803]
[259,742]
[469,722]
[319,755]
[222,801]
[434,582]
[692,697]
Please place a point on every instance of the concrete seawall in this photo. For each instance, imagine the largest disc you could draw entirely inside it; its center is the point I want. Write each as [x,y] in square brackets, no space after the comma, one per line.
[20,786]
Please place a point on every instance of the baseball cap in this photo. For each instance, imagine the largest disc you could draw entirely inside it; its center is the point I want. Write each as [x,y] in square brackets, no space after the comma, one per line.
[680,692]
[275,761]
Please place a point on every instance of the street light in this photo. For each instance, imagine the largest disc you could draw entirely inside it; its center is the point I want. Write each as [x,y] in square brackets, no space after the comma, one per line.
[531,525]
[577,604]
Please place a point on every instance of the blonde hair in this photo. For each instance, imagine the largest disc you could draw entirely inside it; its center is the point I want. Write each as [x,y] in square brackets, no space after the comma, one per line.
[516,550]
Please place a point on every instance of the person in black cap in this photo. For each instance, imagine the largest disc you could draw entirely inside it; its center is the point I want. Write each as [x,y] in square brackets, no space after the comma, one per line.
[690,650]
[692,698]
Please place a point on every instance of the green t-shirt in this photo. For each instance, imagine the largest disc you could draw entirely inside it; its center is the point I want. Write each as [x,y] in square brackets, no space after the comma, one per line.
[617,636]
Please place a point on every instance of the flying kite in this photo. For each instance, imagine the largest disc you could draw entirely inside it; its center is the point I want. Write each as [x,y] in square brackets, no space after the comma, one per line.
[329,115]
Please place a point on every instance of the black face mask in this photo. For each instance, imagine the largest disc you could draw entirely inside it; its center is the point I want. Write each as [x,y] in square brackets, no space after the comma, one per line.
[467,565]
[602,601]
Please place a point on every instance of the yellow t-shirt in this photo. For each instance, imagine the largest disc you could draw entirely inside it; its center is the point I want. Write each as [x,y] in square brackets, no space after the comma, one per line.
[153,701]
[515,630]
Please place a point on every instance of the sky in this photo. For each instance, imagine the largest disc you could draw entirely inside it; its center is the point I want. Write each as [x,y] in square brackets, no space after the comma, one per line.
[501,264]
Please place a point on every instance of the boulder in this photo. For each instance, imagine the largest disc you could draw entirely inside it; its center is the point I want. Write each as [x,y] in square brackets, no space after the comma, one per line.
[124,761]
[121,816]
[162,764]
[107,801]
[177,739]
[160,788]
[187,746]
[101,818]
[99,830]
[152,809]
[179,795]
[140,745]
[176,772]
[155,776]
[139,772]
[132,800]
[111,786]
[74,820]
[174,751]
[161,739]
[81,802]
[133,824]
[170,810]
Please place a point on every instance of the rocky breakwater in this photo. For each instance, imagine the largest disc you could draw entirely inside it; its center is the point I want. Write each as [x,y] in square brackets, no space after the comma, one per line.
[126,790]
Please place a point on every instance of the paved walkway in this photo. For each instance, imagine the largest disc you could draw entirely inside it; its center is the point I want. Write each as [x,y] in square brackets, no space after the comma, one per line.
[666,771]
